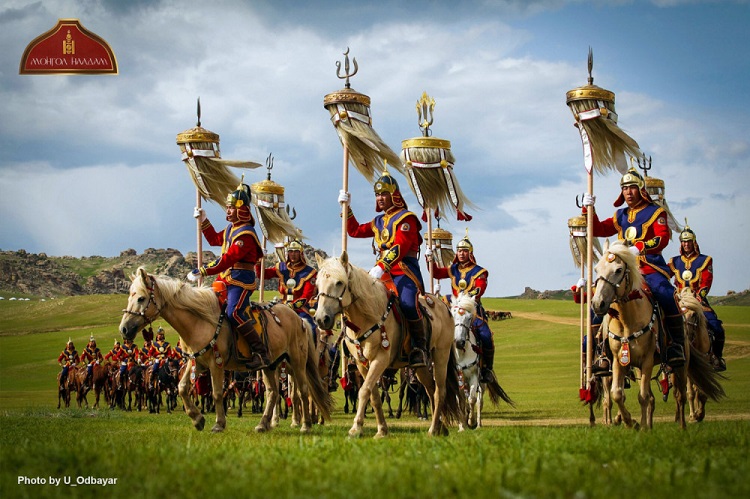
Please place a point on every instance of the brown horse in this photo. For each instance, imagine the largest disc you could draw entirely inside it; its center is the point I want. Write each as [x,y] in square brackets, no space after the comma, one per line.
[65,385]
[375,335]
[195,314]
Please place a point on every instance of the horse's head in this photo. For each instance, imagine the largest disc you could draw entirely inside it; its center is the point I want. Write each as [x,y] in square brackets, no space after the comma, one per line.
[696,325]
[617,275]
[333,289]
[463,310]
[142,307]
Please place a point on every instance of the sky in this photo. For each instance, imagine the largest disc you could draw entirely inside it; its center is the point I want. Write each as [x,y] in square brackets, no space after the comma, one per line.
[89,164]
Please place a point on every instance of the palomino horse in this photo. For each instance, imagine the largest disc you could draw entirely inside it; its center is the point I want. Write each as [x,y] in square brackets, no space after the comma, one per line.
[195,314]
[376,337]
[631,324]
[696,329]
[464,311]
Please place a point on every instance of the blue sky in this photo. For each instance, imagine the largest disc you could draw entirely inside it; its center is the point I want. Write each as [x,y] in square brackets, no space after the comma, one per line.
[90,165]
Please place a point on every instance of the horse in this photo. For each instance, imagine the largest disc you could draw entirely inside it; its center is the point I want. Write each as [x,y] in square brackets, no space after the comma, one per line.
[65,385]
[195,313]
[414,393]
[466,347]
[365,304]
[631,324]
[696,329]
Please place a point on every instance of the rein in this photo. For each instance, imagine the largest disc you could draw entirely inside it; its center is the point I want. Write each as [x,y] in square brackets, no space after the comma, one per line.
[637,334]
[193,356]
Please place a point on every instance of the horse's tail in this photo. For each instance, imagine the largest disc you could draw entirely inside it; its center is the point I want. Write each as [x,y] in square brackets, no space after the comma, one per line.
[451,408]
[497,393]
[702,373]
[317,387]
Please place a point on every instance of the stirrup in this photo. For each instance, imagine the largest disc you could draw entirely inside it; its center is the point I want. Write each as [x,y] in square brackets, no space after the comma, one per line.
[486,375]
[601,367]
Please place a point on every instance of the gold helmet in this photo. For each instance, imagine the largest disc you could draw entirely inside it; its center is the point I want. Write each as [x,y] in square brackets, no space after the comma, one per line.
[632,177]
[295,245]
[387,183]
[465,243]
[687,234]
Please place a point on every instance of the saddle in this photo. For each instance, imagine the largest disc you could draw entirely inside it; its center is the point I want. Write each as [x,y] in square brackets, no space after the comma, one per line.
[239,349]
[405,348]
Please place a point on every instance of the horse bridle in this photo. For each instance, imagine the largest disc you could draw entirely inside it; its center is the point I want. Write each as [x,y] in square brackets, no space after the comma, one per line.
[616,285]
[340,298]
[147,320]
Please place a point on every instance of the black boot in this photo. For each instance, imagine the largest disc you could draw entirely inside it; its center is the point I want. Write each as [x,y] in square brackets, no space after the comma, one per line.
[258,349]
[419,354]
[676,350]
[717,352]
[488,359]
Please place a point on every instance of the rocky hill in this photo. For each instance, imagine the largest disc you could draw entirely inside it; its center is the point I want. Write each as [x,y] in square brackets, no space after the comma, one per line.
[47,276]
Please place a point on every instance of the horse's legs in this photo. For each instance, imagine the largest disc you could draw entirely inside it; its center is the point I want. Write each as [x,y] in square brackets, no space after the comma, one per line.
[217,389]
[187,401]
[618,394]
[646,396]
[272,399]
[480,404]
[607,400]
[679,381]
[371,376]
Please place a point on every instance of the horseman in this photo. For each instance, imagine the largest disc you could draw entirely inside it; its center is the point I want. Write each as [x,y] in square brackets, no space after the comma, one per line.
[396,237]
[91,355]
[148,352]
[465,275]
[240,252]
[643,223]
[68,357]
[163,350]
[694,270]
[296,282]
[116,354]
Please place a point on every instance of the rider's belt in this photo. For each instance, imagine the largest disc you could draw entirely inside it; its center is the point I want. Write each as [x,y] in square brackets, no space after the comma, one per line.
[243,266]
[411,254]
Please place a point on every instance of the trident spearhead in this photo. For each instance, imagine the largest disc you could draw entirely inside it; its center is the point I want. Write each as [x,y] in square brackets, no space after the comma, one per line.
[347,74]
[425,108]
[269,165]
[591,66]
[199,112]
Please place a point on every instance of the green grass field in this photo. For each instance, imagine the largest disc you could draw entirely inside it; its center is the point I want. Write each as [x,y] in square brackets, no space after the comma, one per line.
[542,448]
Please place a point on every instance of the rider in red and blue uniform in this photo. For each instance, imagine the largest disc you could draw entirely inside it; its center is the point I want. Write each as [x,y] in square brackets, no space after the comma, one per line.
[162,350]
[91,355]
[296,282]
[465,275]
[240,252]
[644,224]
[396,235]
[68,357]
[694,270]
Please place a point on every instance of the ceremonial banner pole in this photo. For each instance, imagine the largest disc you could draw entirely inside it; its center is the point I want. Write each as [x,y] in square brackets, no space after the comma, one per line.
[429,167]
[605,146]
[350,114]
[273,217]
[211,177]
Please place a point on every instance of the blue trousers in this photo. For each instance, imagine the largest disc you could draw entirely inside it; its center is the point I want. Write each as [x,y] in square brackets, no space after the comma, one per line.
[238,305]
[408,293]
[663,292]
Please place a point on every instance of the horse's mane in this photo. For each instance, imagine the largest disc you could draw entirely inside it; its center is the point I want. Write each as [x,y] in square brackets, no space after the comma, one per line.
[621,250]
[361,285]
[689,301]
[466,302]
[200,301]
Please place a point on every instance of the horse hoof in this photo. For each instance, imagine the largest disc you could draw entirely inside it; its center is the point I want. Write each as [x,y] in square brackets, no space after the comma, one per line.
[200,424]
[260,429]
[380,435]
[353,433]
[217,429]
[304,429]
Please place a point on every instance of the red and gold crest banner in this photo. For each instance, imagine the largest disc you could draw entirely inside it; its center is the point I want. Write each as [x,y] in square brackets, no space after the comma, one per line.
[68,48]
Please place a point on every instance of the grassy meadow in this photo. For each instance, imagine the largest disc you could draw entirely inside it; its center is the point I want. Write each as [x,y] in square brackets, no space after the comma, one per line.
[541,448]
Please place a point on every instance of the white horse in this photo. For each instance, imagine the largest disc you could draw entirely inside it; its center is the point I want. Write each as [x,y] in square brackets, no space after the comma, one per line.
[464,311]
